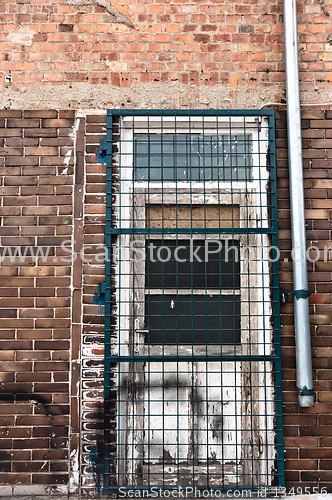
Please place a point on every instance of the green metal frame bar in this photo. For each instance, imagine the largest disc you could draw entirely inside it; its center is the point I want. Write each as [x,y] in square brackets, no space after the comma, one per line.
[280,469]
[108,310]
[273,231]
[212,230]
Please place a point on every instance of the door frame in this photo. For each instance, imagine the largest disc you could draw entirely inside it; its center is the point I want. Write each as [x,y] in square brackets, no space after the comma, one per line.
[125,229]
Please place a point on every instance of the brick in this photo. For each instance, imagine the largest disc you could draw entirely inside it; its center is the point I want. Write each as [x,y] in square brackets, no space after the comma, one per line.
[14,478]
[35,334]
[49,240]
[35,292]
[60,123]
[55,200]
[50,478]
[19,200]
[49,322]
[67,113]
[22,123]
[30,443]
[45,367]
[17,240]
[46,210]
[29,467]
[50,454]
[38,132]
[312,476]
[301,464]
[41,151]
[50,431]
[18,142]
[40,114]
[326,124]
[317,214]
[10,113]
[9,191]
[313,153]
[17,181]
[11,151]
[316,453]
[20,161]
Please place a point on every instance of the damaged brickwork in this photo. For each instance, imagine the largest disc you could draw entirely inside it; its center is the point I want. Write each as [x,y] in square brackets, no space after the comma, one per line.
[101,54]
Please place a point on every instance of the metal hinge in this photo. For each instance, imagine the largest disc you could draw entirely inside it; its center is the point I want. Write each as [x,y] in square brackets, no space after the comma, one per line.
[99,296]
[101,152]
[96,459]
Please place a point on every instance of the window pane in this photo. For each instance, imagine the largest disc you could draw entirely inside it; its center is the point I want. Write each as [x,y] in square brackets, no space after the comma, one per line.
[192,264]
[185,157]
[193,319]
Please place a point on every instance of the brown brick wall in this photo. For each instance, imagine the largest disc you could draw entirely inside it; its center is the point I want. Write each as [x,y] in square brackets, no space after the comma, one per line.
[44,418]
[36,210]
[307,431]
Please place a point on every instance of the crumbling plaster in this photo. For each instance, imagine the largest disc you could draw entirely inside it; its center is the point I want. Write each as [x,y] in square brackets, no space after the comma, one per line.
[155,95]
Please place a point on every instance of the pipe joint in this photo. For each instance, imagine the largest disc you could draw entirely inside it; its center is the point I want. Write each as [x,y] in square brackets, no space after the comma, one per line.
[301,294]
[305,391]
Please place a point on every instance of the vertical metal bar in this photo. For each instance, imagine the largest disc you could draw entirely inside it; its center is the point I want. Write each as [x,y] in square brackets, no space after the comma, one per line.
[108,307]
[276,305]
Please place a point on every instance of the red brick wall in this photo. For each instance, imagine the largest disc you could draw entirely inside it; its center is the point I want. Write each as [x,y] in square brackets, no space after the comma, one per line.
[236,46]
[202,43]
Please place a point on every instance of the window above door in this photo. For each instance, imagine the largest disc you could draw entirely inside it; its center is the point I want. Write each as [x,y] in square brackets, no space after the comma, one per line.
[192,149]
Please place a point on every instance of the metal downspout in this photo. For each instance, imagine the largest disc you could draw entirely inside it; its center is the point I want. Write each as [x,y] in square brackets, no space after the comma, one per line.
[300,279]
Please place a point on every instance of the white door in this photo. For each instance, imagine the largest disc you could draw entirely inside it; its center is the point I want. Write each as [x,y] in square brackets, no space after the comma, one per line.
[195,402]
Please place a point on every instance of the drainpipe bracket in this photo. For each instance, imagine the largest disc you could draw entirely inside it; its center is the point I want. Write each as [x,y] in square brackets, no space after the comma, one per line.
[301,294]
[305,391]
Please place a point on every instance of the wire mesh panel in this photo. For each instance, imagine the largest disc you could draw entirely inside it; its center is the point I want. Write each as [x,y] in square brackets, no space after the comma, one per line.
[192,363]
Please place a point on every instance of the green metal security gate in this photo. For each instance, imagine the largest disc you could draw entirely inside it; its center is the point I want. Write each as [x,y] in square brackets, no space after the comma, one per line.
[192,353]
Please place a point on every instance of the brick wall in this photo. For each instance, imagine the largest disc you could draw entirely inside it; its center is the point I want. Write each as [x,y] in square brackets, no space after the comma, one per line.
[51,409]
[201,43]
[36,210]
[307,431]
[51,360]
[184,51]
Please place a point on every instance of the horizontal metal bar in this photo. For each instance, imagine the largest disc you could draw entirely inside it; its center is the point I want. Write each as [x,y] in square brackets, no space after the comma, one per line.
[181,230]
[197,357]
[191,112]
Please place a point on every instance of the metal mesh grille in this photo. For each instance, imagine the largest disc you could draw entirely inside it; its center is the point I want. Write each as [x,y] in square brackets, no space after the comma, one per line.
[192,363]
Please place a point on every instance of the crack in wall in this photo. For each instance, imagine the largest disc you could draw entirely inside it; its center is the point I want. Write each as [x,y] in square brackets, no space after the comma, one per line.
[322,6]
[119,18]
